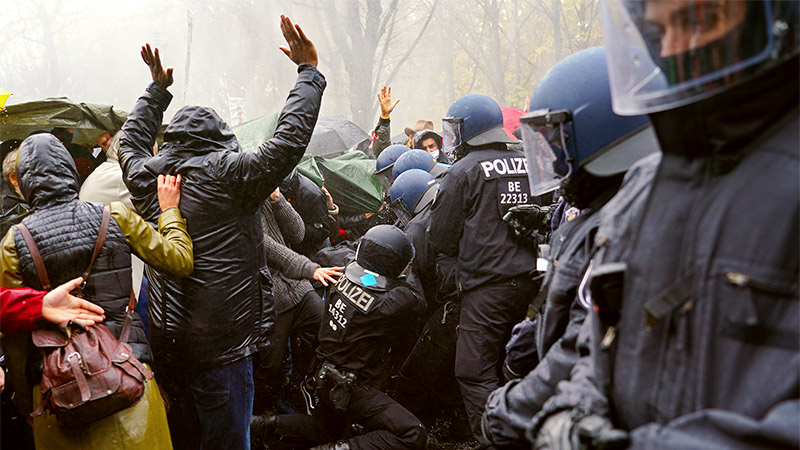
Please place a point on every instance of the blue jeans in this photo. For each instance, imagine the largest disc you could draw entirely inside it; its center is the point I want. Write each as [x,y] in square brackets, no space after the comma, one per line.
[211,408]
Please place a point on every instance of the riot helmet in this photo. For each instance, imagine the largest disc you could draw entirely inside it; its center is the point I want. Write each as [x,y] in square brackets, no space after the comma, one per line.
[571,126]
[385,162]
[663,54]
[418,159]
[473,120]
[385,250]
[412,191]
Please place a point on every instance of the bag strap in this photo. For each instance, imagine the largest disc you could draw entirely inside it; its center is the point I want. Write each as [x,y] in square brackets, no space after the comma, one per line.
[38,262]
[101,238]
[126,327]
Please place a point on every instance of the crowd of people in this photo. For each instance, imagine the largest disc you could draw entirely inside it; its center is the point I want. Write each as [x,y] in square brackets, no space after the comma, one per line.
[621,271]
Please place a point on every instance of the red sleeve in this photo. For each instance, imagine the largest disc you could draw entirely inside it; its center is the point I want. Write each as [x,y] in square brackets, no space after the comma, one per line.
[20,309]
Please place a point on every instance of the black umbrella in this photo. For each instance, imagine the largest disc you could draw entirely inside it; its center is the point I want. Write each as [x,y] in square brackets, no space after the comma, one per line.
[334,135]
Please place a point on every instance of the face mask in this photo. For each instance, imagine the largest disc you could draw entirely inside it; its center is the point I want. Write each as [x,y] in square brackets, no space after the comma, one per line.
[435,154]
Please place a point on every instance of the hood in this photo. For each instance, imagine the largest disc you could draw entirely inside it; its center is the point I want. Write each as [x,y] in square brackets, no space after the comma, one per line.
[194,131]
[198,130]
[46,171]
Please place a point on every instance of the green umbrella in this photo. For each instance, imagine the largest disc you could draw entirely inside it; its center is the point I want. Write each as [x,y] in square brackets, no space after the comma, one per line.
[350,178]
[88,119]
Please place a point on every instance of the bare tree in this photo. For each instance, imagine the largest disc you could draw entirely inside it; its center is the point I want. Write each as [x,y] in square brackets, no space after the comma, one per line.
[364,37]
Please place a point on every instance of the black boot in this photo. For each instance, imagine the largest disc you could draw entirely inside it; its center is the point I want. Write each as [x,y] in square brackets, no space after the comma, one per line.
[262,428]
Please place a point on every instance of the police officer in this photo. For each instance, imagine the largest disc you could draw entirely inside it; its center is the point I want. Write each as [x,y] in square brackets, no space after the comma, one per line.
[418,159]
[492,270]
[426,383]
[694,340]
[364,311]
[385,163]
[571,106]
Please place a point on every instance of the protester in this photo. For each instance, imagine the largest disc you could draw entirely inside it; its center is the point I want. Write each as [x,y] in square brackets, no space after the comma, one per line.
[310,201]
[13,207]
[204,329]
[65,230]
[105,185]
[431,142]
[298,307]
[694,341]
[492,270]
[383,131]
[419,125]
[22,308]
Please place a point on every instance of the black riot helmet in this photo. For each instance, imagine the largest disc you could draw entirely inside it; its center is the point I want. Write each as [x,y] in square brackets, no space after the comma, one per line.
[385,250]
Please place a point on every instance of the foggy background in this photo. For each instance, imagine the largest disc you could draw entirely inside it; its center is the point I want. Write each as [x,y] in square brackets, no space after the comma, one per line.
[430,51]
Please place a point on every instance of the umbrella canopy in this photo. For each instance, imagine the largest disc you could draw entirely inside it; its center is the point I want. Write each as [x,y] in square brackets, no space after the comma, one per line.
[350,179]
[511,118]
[3,97]
[400,138]
[254,132]
[334,135]
[89,120]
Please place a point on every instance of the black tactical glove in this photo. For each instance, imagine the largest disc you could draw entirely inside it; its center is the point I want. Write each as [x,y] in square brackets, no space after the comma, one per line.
[573,430]
[529,221]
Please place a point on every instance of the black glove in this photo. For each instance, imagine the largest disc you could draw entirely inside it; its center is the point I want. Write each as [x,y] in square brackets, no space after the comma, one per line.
[573,430]
[529,220]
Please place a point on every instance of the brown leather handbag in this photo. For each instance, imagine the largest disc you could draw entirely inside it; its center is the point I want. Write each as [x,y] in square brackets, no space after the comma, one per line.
[87,373]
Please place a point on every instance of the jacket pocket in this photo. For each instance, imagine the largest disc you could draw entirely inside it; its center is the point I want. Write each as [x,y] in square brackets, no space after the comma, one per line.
[761,307]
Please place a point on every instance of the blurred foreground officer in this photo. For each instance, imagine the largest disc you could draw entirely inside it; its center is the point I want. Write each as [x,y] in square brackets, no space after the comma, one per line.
[571,121]
[695,339]
[365,310]
[492,270]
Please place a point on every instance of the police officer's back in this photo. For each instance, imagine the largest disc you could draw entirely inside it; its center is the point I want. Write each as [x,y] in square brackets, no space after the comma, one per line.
[492,269]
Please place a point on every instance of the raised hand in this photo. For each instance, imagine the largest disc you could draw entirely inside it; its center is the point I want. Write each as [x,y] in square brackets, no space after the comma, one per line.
[153,61]
[326,274]
[301,49]
[60,306]
[385,99]
[169,191]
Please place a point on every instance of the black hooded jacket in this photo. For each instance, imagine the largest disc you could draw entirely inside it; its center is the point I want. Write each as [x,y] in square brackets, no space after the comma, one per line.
[224,311]
[311,203]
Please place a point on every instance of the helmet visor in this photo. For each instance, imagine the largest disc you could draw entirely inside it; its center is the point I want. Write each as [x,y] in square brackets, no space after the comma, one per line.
[667,53]
[385,178]
[544,141]
[400,211]
[451,134]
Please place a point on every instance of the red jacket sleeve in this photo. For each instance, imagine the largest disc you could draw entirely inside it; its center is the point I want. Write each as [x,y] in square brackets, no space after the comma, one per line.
[20,309]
